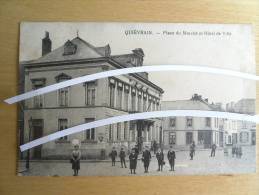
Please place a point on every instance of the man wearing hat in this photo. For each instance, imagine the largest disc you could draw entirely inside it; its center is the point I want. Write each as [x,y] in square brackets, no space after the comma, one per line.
[171,157]
[133,160]
[146,158]
[122,156]
[113,155]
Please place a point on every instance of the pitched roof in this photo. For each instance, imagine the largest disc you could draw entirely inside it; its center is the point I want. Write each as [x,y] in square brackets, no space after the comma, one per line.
[185,105]
[84,50]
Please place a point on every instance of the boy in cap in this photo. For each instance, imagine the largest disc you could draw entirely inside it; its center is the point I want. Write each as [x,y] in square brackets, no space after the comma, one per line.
[122,156]
[113,155]
[171,157]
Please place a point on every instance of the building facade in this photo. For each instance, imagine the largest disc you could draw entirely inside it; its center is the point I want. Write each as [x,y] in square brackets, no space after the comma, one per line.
[181,131]
[90,101]
[246,131]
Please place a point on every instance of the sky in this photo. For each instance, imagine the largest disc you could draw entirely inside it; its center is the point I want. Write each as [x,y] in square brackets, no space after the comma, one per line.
[226,46]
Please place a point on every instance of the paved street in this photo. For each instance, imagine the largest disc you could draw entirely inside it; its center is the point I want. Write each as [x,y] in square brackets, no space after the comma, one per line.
[201,165]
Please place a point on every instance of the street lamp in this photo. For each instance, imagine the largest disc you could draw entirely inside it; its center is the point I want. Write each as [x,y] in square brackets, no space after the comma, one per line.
[28,151]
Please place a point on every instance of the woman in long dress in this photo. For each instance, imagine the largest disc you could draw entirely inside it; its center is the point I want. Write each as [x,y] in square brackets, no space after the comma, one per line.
[76,155]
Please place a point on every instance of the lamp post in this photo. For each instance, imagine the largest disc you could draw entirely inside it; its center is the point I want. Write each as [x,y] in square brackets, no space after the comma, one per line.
[28,151]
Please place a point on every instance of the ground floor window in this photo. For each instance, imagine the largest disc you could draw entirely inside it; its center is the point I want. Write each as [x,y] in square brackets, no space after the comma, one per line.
[90,133]
[172,137]
[229,139]
[188,137]
[201,137]
[62,124]
[244,137]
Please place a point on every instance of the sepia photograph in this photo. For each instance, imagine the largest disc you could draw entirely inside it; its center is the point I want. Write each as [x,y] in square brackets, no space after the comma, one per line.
[53,53]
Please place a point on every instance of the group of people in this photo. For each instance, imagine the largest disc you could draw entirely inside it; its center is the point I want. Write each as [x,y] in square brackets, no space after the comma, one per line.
[236,151]
[146,158]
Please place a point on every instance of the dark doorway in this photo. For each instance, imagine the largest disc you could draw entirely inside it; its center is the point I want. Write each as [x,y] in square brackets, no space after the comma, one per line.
[188,137]
[234,138]
[207,139]
[253,138]
[37,133]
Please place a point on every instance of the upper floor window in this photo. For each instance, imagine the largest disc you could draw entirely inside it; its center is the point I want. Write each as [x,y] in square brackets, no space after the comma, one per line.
[112,91]
[189,121]
[62,124]
[119,89]
[133,99]
[126,97]
[207,121]
[38,83]
[90,93]
[172,121]
[64,92]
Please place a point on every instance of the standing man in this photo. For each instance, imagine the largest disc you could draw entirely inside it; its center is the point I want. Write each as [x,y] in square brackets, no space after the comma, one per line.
[160,159]
[191,151]
[133,160]
[171,157]
[122,156]
[113,155]
[146,158]
[213,149]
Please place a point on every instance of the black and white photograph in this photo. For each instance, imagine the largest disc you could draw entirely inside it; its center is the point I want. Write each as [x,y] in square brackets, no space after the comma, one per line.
[174,144]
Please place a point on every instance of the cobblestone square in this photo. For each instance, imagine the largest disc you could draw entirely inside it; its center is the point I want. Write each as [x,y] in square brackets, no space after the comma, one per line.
[202,164]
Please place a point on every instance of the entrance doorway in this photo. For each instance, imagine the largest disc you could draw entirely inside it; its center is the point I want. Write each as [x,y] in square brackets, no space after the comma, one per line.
[253,138]
[207,139]
[37,133]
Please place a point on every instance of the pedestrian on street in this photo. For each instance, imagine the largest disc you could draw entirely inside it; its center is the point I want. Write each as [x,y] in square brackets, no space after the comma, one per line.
[234,150]
[113,155]
[213,149]
[160,159]
[122,156]
[136,149]
[76,155]
[155,146]
[146,158]
[133,160]
[239,152]
[171,157]
[193,145]
[225,150]
[191,151]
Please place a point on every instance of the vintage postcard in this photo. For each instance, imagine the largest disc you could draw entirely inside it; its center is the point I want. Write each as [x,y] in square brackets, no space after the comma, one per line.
[183,91]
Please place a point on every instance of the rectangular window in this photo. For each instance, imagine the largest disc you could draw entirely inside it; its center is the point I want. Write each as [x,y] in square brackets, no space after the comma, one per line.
[90,133]
[189,121]
[112,95]
[244,137]
[208,121]
[62,124]
[139,103]
[90,93]
[38,100]
[63,96]
[172,122]
[144,103]
[126,100]
[243,124]
[118,131]
[119,97]
[133,100]
[233,125]
[188,137]
[229,139]
[110,132]
[201,137]
[125,130]
[172,138]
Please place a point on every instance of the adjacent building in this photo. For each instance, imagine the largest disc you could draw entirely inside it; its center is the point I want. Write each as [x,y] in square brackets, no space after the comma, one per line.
[89,101]
[181,131]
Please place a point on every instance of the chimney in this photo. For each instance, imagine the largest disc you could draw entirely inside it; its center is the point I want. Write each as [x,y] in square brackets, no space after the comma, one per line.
[46,44]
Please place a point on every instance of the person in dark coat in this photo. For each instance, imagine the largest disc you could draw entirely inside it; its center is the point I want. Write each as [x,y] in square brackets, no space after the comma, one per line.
[75,156]
[234,151]
[113,155]
[146,158]
[239,152]
[133,160]
[155,146]
[122,156]
[213,149]
[160,159]
[193,145]
[191,151]
[171,157]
